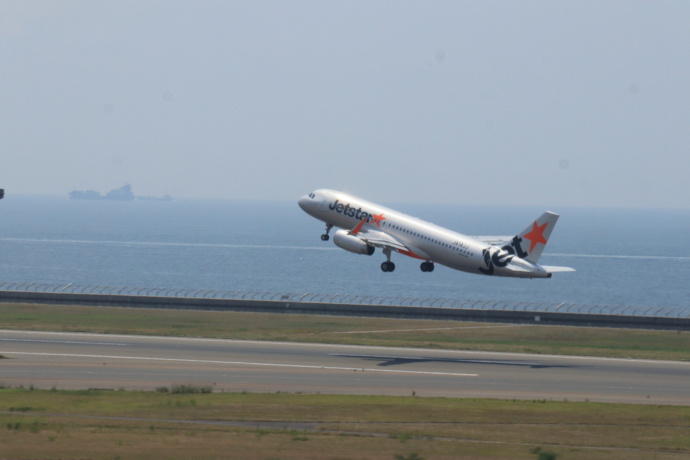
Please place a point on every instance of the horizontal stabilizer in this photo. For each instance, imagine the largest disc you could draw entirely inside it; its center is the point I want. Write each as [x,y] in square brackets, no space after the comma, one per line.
[493,240]
[552,269]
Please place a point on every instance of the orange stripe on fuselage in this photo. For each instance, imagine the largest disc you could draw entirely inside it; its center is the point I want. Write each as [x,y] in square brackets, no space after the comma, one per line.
[410,254]
[358,228]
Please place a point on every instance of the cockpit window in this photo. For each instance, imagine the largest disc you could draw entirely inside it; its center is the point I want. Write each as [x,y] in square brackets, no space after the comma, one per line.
[311,195]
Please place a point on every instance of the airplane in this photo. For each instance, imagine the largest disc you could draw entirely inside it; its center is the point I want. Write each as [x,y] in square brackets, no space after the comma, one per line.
[365,226]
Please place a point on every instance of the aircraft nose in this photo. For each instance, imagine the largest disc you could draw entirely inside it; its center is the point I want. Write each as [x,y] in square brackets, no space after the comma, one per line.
[303,202]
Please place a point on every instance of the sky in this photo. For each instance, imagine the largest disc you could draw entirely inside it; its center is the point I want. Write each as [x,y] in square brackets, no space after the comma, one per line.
[568,103]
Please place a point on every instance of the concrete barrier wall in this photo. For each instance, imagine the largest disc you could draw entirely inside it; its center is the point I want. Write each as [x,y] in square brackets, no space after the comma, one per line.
[314,308]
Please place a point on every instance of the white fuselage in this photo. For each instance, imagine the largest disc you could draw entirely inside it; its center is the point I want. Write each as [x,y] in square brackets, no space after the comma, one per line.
[424,240]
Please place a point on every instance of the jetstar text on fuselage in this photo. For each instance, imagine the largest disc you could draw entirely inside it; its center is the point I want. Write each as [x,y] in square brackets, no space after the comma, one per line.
[350,211]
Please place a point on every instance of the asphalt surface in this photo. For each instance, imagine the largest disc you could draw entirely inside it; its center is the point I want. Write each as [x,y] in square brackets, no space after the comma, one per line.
[80,361]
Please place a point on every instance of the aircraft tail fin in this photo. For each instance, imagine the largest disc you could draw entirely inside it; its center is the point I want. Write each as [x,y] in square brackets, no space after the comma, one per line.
[531,241]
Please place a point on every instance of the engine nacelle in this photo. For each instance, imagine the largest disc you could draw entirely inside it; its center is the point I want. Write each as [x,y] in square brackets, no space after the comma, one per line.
[351,243]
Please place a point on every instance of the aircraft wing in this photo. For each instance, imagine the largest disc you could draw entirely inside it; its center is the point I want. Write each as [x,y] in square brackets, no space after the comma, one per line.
[380,239]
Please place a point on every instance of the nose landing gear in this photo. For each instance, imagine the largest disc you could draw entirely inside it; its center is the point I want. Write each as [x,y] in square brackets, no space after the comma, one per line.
[325,236]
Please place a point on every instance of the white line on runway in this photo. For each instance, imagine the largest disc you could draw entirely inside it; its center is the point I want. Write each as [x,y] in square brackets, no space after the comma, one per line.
[70,342]
[203,361]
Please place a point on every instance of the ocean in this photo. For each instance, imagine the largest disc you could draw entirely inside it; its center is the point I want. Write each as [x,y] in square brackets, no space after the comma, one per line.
[623,257]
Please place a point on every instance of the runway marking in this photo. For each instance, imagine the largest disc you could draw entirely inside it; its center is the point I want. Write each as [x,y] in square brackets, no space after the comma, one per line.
[243,363]
[70,342]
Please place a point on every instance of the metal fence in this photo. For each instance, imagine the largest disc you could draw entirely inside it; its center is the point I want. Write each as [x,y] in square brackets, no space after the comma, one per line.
[471,304]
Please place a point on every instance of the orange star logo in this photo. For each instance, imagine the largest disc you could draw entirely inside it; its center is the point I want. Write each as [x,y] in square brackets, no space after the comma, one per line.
[536,235]
[378,219]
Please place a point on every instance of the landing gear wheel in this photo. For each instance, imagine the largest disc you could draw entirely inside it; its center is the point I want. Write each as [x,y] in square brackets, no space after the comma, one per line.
[325,236]
[427,266]
[388,266]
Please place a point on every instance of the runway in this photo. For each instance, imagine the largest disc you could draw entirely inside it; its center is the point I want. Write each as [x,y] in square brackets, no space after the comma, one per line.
[80,361]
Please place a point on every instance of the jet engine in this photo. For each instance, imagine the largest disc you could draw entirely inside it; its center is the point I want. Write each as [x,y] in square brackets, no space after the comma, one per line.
[351,243]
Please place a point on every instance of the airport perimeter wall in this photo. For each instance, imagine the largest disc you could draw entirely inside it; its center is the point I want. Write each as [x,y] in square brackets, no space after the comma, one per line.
[340,309]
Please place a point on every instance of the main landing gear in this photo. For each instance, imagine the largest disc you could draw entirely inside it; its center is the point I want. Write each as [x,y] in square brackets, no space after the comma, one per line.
[387,266]
[427,266]
[325,236]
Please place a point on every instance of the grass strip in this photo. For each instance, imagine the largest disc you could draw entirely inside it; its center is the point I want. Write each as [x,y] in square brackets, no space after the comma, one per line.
[81,424]
[585,341]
